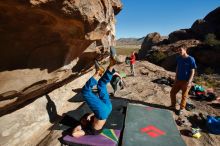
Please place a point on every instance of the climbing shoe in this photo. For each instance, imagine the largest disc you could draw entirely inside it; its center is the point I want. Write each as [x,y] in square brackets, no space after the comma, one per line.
[180,112]
[99,69]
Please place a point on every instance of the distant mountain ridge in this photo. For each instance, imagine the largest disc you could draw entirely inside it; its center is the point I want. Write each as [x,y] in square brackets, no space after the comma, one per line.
[132,41]
[129,41]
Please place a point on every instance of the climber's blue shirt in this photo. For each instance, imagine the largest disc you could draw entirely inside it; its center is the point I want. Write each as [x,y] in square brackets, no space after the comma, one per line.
[185,65]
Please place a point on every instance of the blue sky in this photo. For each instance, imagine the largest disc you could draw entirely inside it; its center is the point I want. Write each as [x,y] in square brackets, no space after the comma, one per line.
[140,17]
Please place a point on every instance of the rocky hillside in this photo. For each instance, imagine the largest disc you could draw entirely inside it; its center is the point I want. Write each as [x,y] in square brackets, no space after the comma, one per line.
[202,38]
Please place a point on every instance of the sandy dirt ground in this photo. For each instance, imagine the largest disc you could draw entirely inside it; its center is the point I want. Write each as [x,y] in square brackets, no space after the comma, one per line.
[141,88]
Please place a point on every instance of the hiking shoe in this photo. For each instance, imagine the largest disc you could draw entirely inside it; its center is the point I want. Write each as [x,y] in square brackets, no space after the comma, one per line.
[189,107]
[99,69]
[180,112]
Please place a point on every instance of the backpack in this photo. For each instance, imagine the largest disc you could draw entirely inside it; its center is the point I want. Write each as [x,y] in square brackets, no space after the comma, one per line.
[127,60]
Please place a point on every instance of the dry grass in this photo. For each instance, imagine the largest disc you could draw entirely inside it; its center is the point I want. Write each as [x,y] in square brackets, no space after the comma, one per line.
[127,49]
[208,81]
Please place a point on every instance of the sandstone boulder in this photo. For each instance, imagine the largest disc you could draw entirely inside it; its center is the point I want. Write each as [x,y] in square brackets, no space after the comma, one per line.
[45,42]
[201,28]
[183,34]
[207,57]
[149,41]
[117,6]
[210,24]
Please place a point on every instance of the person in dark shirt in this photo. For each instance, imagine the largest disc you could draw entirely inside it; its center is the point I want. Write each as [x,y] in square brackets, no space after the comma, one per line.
[185,71]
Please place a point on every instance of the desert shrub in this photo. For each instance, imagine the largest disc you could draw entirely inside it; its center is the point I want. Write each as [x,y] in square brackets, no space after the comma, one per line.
[210,39]
[157,56]
[209,70]
[206,81]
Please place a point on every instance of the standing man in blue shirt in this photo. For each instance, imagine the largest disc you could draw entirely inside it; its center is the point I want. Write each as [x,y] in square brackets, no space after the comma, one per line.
[185,71]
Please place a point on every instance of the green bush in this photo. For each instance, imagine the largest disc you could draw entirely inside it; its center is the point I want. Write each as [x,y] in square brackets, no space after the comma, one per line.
[207,81]
[210,39]
[157,57]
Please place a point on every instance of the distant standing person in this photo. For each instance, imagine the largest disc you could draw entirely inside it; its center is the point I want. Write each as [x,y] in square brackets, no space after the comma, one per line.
[132,62]
[185,71]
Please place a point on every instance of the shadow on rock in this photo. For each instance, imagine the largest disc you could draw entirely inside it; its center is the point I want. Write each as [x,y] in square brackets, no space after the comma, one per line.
[186,132]
[51,109]
[198,121]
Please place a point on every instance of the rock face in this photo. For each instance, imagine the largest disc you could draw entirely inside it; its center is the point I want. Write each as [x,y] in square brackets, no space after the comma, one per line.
[201,27]
[44,42]
[30,124]
[183,34]
[210,24]
[207,57]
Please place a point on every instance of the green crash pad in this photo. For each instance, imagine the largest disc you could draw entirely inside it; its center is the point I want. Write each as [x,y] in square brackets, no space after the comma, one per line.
[148,126]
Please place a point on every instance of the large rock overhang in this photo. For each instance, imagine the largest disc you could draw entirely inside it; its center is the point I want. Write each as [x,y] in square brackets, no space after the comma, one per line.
[46,43]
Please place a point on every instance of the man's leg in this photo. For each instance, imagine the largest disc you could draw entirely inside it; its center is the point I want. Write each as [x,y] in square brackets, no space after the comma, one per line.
[87,88]
[133,69]
[175,89]
[93,101]
[185,90]
[103,92]
[102,89]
